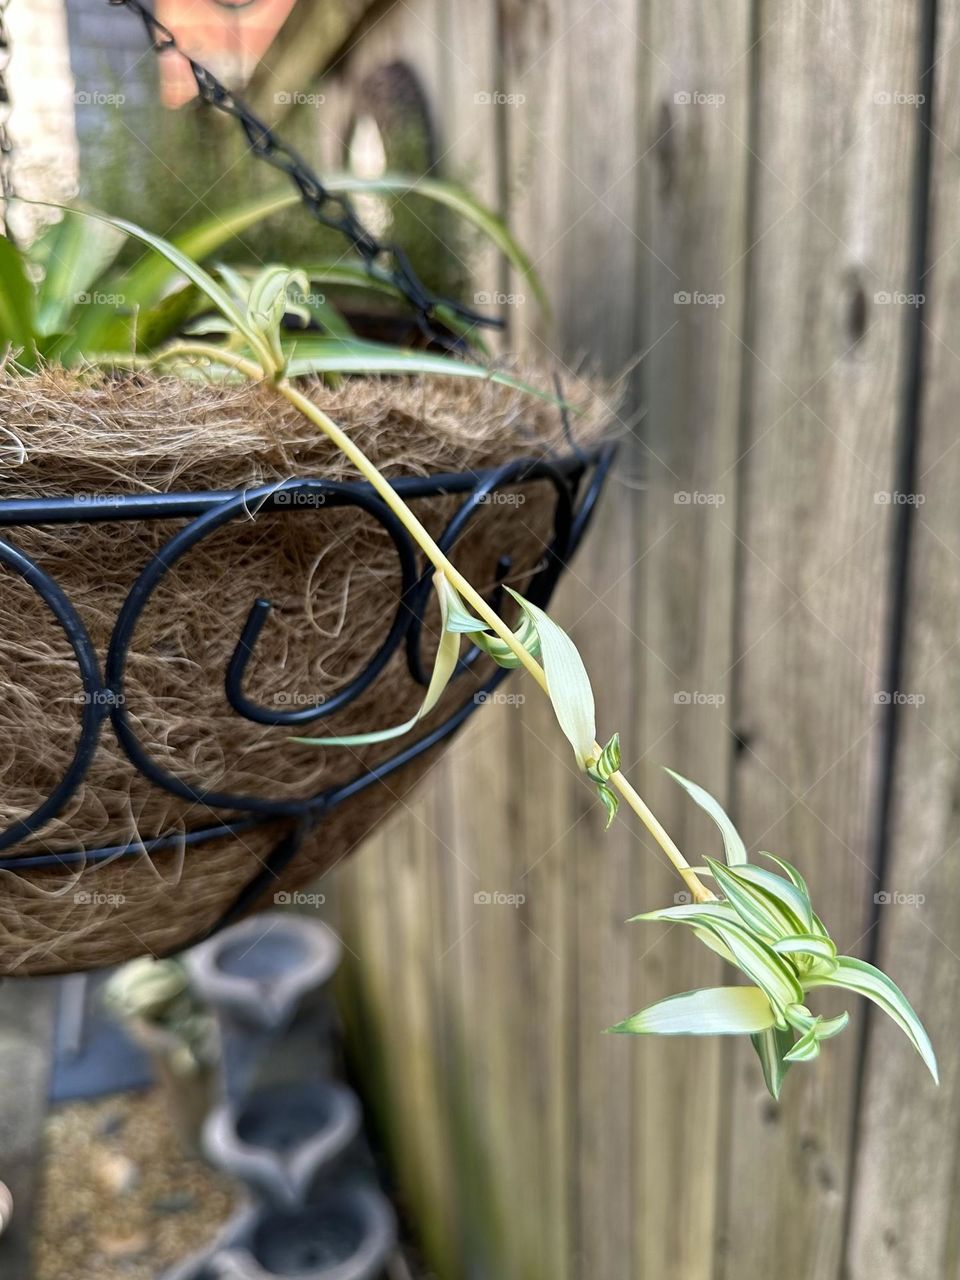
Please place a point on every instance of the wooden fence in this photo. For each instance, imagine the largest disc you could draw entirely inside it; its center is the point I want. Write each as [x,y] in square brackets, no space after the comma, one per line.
[761,201]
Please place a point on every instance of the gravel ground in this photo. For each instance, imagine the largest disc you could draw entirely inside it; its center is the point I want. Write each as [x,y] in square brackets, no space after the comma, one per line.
[119,1199]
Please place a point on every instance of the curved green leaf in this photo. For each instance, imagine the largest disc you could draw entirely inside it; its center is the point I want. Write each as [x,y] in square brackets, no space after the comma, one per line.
[73,253]
[144,284]
[790,871]
[311,354]
[445,663]
[185,265]
[859,976]
[735,849]
[567,682]
[771,1047]
[806,944]
[694,913]
[806,1048]
[713,1011]
[761,965]
[759,910]
[17,322]
[462,203]
[779,892]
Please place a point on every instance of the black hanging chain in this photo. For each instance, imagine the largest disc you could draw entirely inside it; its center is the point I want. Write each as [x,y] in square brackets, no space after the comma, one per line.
[385,262]
[6,142]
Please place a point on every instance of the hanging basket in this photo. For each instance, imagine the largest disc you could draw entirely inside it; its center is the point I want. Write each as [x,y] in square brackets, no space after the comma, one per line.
[192,575]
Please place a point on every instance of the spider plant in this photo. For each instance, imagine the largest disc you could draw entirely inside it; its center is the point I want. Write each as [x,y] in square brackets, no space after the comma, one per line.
[759,918]
[65,297]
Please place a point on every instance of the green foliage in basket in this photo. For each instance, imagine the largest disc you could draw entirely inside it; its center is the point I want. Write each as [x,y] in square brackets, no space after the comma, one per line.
[67,298]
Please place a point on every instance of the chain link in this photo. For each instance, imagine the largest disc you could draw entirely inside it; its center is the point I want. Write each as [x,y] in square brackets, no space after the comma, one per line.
[6,142]
[386,262]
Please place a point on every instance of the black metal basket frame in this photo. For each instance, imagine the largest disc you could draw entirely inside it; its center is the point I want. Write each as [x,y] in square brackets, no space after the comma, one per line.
[577,480]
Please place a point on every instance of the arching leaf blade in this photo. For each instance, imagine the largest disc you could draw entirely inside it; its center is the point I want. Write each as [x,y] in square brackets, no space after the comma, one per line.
[860,977]
[734,848]
[711,1011]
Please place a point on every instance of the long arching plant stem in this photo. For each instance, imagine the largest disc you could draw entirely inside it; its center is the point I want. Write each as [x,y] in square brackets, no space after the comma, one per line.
[422,537]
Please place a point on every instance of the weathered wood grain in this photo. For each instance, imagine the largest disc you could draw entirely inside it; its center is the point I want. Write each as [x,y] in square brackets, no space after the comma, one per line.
[445,962]
[904,1215]
[736,590]
[569,82]
[829,226]
[694,179]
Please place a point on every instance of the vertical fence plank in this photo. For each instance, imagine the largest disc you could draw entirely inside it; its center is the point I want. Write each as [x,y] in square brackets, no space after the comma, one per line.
[625,132]
[401,903]
[572,83]
[830,223]
[694,175]
[904,1215]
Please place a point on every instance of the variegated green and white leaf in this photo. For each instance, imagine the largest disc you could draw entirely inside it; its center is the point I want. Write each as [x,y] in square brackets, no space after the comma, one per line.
[611,802]
[751,955]
[759,910]
[780,892]
[713,1011]
[445,663]
[567,682]
[821,949]
[525,633]
[806,1048]
[713,943]
[609,760]
[830,1027]
[734,848]
[771,1047]
[497,649]
[792,874]
[859,976]
[761,965]
[695,913]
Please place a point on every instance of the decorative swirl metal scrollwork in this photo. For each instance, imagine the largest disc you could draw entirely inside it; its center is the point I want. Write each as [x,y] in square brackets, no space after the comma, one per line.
[577,482]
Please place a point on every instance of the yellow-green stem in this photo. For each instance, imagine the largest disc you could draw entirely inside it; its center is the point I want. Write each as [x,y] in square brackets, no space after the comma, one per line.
[471,596]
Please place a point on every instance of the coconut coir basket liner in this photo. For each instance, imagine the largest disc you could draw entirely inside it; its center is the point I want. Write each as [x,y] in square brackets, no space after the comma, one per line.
[333,579]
